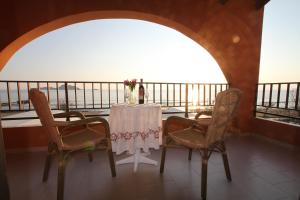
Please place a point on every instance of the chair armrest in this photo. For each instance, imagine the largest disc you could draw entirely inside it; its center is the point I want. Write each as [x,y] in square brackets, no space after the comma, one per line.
[178,120]
[204,121]
[69,114]
[79,122]
[204,112]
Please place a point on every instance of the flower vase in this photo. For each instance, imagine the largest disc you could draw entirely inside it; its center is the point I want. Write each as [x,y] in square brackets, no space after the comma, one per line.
[131,97]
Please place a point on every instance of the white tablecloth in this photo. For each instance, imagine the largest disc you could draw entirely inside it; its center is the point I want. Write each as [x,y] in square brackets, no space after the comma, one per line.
[135,126]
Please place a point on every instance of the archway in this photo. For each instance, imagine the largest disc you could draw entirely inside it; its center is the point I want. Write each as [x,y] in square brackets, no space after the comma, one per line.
[73,19]
[113,50]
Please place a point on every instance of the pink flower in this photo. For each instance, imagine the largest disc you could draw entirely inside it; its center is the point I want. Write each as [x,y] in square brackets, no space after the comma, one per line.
[131,84]
[126,82]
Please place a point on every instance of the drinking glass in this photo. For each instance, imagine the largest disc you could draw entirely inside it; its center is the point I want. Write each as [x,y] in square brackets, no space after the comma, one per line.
[146,95]
[126,95]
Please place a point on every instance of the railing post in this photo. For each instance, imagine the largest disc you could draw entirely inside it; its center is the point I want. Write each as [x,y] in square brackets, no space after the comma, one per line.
[67,99]
[8,95]
[84,96]
[28,89]
[255,100]
[100,95]
[287,96]
[297,96]
[109,95]
[19,97]
[263,95]
[57,96]
[153,93]
[180,94]
[186,114]
[167,95]
[270,95]
[278,95]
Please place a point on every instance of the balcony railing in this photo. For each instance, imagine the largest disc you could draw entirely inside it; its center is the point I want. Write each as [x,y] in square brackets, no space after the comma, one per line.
[96,98]
[279,101]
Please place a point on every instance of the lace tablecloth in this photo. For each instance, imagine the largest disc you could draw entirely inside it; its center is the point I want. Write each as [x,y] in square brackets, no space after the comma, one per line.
[135,126]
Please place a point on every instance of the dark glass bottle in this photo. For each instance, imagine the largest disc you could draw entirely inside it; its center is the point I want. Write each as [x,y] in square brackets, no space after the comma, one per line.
[141,92]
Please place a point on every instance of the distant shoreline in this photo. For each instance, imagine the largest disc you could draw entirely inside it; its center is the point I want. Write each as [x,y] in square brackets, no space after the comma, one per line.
[62,87]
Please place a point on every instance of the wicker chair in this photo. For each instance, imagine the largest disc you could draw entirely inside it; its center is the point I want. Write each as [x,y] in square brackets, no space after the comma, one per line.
[207,136]
[67,137]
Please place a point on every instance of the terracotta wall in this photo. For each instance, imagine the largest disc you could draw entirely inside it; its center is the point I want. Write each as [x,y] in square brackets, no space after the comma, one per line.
[278,131]
[230,32]
[34,138]
[31,138]
[24,138]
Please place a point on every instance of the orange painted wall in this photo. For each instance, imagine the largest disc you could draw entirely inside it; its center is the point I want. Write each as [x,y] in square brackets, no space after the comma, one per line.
[24,138]
[32,137]
[29,137]
[277,131]
[35,137]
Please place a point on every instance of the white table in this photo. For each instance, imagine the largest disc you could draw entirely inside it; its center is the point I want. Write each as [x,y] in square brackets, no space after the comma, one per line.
[134,128]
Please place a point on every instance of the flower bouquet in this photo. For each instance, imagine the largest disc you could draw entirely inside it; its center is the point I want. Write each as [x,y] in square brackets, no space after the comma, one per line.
[131,86]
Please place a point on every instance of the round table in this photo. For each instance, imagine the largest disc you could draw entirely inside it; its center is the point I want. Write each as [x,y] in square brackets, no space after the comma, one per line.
[134,128]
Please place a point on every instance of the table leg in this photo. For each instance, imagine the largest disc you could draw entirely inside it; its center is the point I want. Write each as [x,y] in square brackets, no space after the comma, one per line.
[137,158]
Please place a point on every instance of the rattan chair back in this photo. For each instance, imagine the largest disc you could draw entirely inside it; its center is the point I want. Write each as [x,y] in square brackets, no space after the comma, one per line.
[224,110]
[42,108]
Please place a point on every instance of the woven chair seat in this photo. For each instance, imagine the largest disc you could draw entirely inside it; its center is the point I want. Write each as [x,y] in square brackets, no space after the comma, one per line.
[81,139]
[190,137]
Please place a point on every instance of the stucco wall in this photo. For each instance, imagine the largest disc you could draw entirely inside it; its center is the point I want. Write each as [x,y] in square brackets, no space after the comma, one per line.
[279,131]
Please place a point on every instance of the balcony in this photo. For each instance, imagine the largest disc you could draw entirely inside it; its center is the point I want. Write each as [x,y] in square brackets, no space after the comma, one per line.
[263,149]
[256,161]
[277,104]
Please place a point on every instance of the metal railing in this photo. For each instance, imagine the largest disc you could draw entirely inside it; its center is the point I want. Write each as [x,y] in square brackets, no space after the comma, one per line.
[279,100]
[274,100]
[99,96]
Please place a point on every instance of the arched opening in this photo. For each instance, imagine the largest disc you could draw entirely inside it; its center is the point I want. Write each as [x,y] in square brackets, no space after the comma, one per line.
[113,50]
[70,54]
[63,22]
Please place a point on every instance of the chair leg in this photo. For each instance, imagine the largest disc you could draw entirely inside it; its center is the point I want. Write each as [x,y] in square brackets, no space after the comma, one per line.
[226,163]
[61,176]
[162,162]
[48,162]
[90,156]
[204,174]
[111,162]
[190,154]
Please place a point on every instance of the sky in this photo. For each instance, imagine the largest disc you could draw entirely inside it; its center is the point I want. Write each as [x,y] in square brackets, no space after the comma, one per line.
[119,49]
[280,50]
[114,50]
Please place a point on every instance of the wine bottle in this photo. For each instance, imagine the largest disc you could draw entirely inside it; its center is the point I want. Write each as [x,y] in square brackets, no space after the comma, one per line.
[141,92]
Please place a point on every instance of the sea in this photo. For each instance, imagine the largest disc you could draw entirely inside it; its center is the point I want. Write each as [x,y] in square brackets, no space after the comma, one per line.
[97,99]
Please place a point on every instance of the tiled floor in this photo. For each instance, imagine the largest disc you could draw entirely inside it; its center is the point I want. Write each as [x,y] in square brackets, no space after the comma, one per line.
[260,170]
